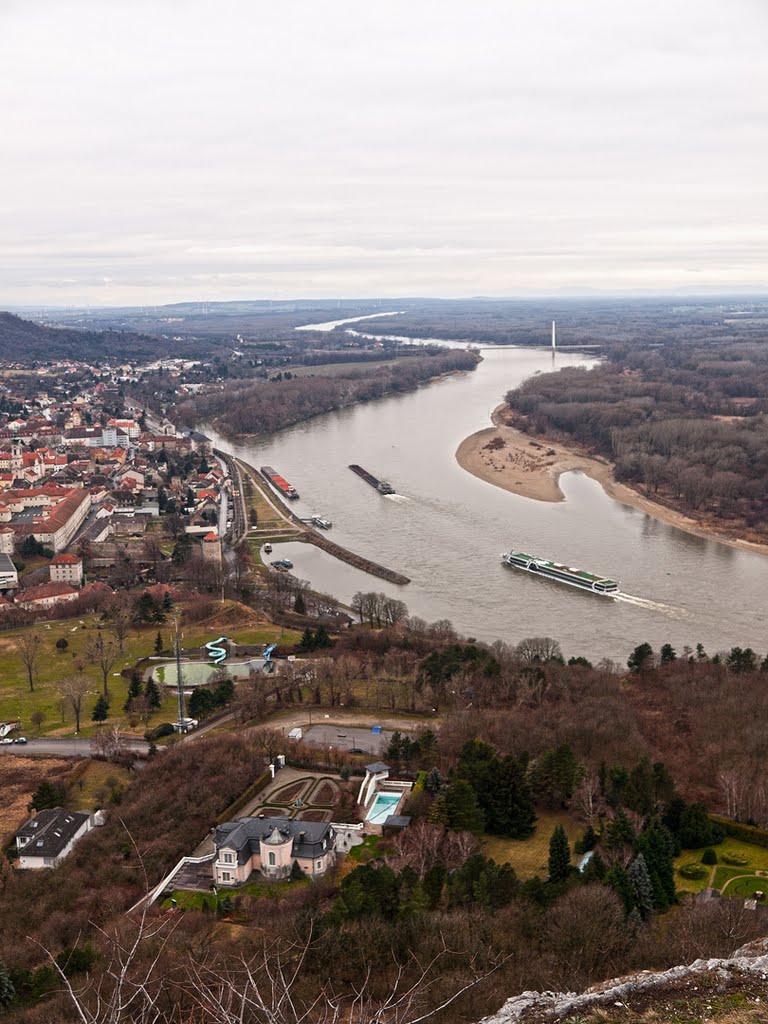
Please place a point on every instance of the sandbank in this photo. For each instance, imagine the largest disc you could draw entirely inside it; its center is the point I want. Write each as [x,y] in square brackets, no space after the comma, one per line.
[531,467]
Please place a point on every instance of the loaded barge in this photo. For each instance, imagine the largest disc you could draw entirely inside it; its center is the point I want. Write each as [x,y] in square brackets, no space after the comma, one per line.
[381,485]
[561,573]
[279,482]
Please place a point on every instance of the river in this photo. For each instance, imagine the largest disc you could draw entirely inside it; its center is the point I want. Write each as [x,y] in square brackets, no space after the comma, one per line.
[446,529]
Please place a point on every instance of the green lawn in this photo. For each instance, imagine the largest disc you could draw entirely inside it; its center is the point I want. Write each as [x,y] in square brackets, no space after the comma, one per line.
[188,900]
[748,886]
[17,701]
[529,857]
[756,858]
[366,850]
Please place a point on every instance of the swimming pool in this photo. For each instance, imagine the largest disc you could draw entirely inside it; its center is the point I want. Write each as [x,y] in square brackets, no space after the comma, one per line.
[382,807]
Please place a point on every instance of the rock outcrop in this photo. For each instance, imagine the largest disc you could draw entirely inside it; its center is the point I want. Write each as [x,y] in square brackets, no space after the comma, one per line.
[747,965]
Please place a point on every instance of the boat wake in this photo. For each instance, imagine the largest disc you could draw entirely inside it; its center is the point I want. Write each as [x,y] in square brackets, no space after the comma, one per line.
[670,610]
[399,498]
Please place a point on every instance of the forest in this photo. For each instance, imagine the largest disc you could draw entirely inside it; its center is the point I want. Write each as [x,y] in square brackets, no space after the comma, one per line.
[25,341]
[260,407]
[684,421]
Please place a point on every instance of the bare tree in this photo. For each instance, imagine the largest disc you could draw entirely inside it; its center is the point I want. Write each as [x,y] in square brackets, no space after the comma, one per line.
[110,744]
[538,648]
[28,646]
[119,615]
[103,651]
[73,690]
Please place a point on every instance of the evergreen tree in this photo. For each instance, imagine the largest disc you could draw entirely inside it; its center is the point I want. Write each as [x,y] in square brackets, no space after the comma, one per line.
[299,604]
[152,693]
[667,654]
[134,690]
[595,869]
[463,811]
[639,794]
[307,642]
[322,637]
[559,856]
[657,848]
[201,702]
[616,877]
[619,833]
[438,812]
[434,782]
[696,830]
[587,842]
[507,801]
[555,775]
[641,658]
[101,709]
[434,881]
[641,886]
[297,875]
[167,602]
[7,991]
[159,643]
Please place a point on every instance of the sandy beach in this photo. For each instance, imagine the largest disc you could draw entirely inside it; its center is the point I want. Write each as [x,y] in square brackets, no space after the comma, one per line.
[531,467]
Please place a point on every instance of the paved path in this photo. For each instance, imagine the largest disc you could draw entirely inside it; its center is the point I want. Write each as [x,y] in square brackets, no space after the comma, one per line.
[63,747]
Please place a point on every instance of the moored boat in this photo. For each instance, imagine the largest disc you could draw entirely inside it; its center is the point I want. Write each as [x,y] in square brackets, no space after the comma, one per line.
[279,482]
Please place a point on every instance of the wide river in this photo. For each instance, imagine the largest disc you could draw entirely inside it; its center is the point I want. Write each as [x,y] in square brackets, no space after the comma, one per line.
[446,529]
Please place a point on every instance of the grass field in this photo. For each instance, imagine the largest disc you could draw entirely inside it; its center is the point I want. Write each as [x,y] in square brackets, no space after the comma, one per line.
[16,700]
[93,788]
[755,857]
[529,857]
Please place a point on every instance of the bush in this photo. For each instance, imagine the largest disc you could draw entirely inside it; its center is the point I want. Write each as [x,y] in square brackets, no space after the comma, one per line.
[735,829]
[164,729]
[709,856]
[734,859]
[693,871]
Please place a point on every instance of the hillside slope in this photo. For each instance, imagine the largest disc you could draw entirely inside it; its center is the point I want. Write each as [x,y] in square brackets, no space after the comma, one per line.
[24,341]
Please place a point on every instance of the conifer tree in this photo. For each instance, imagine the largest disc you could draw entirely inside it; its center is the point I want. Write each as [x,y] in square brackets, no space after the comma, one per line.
[159,643]
[134,690]
[7,991]
[100,709]
[559,855]
[641,886]
[152,693]
[299,604]
[464,812]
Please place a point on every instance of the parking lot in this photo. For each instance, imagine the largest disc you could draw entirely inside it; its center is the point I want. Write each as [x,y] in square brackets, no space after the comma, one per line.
[348,738]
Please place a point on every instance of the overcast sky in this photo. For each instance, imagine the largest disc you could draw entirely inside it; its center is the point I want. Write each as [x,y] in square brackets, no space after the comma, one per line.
[154,152]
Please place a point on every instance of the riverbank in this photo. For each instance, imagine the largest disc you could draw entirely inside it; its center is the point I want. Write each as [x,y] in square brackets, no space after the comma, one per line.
[531,466]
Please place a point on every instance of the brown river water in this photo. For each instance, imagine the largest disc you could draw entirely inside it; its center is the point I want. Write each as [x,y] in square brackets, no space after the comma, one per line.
[446,529]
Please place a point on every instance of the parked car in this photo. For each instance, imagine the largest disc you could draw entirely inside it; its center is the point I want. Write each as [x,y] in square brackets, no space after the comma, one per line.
[20,739]
[6,739]
[282,563]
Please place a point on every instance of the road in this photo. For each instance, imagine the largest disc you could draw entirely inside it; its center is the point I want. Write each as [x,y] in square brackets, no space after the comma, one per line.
[63,747]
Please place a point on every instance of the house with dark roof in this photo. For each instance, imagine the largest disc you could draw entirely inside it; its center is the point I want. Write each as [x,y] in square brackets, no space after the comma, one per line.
[271,845]
[46,839]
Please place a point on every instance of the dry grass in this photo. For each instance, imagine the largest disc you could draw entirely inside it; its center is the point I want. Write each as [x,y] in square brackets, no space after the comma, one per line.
[19,778]
[529,857]
[93,787]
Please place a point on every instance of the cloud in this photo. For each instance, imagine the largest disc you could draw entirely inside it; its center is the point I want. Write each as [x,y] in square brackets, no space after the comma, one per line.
[190,150]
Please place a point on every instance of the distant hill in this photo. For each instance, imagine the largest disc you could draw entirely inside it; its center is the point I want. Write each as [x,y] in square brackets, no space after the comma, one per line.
[25,341]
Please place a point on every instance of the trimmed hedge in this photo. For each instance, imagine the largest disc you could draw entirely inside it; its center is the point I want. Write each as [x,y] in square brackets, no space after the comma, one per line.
[737,830]
[244,798]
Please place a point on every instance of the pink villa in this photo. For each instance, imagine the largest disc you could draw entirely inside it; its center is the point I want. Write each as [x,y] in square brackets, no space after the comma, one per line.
[271,845]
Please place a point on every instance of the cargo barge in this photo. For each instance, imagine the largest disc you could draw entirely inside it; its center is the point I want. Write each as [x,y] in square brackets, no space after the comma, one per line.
[279,482]
[381,485]
[561,573]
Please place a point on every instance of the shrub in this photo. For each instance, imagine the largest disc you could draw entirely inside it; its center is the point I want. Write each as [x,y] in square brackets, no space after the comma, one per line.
[736,860]
[736,830]
[164,729]
[709,856]
[693,871]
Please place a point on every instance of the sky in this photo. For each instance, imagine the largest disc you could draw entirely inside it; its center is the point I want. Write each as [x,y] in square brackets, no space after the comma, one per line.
[183,150]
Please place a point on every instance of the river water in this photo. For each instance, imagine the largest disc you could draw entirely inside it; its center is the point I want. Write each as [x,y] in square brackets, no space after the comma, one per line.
[446,529]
